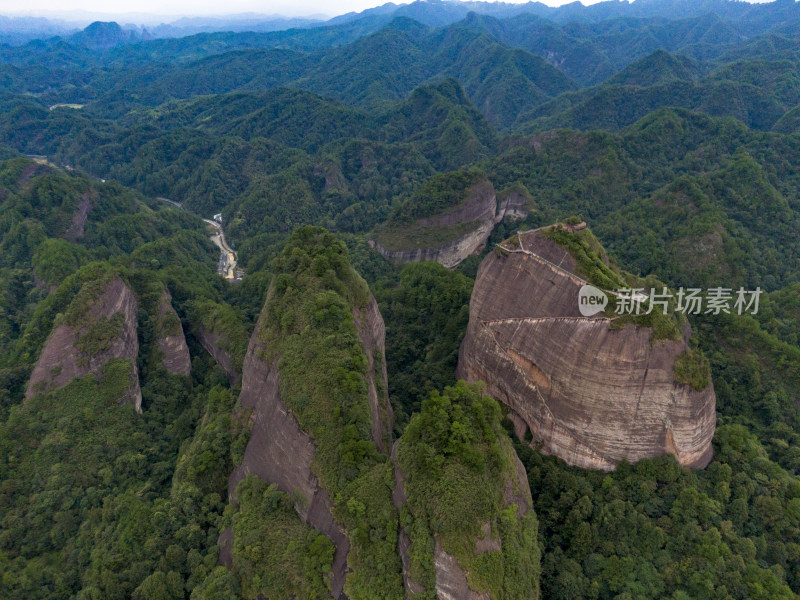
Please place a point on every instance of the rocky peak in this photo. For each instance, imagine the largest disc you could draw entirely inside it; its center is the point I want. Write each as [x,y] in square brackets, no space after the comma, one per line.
[280,452]
[592,390]
[171,341]
[100,325]
[314,385]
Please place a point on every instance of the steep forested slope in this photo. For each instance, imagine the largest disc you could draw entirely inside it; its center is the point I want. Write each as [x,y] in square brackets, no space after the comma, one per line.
[92,527]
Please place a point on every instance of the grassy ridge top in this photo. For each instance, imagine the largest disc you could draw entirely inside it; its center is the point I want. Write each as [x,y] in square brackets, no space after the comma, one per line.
[323,368]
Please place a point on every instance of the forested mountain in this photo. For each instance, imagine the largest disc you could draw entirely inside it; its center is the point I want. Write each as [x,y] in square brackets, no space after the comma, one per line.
[297,430]
[496,54]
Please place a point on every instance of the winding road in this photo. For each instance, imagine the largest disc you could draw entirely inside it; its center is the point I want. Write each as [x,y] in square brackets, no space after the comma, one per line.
[227,258]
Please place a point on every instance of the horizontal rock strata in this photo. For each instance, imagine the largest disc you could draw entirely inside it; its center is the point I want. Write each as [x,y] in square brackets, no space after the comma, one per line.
[591,394]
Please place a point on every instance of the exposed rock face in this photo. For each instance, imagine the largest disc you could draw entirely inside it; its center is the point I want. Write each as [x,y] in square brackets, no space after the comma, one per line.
[173,343]
[62,359]
[215,343]
[76,226]
[450,254]
[372,333]
[592,395]
[480,205]
[512,205]
[481,208]
[280,452]
[451,579]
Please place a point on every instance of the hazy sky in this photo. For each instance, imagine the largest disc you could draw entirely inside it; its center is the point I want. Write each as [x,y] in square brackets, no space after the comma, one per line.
[199,7]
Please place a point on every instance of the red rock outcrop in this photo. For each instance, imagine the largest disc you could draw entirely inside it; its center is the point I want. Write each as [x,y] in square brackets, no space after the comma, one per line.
[591,394]
[215,344]
[280,452]
[171,341]
[480,209]
[62,358]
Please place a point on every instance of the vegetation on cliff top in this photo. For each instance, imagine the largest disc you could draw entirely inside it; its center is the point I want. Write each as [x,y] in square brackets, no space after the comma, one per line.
[458,465]
[591,262]
[309,326]
[437,196]
[104,503]
[273,551]
[426,314]
[692,368]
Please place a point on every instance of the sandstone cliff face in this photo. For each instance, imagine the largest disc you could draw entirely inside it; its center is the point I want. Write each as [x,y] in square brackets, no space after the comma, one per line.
[480,205]
[449,255]
[481,208]
[372,333]
[280,452]
[590,394]
[512,206]
[172,342]
[62,358]
[215,344]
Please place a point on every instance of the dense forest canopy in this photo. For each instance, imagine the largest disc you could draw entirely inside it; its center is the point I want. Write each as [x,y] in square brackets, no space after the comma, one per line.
[671,127]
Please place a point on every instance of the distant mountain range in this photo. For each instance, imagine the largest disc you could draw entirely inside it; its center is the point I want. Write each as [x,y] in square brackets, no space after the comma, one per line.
[434,13]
